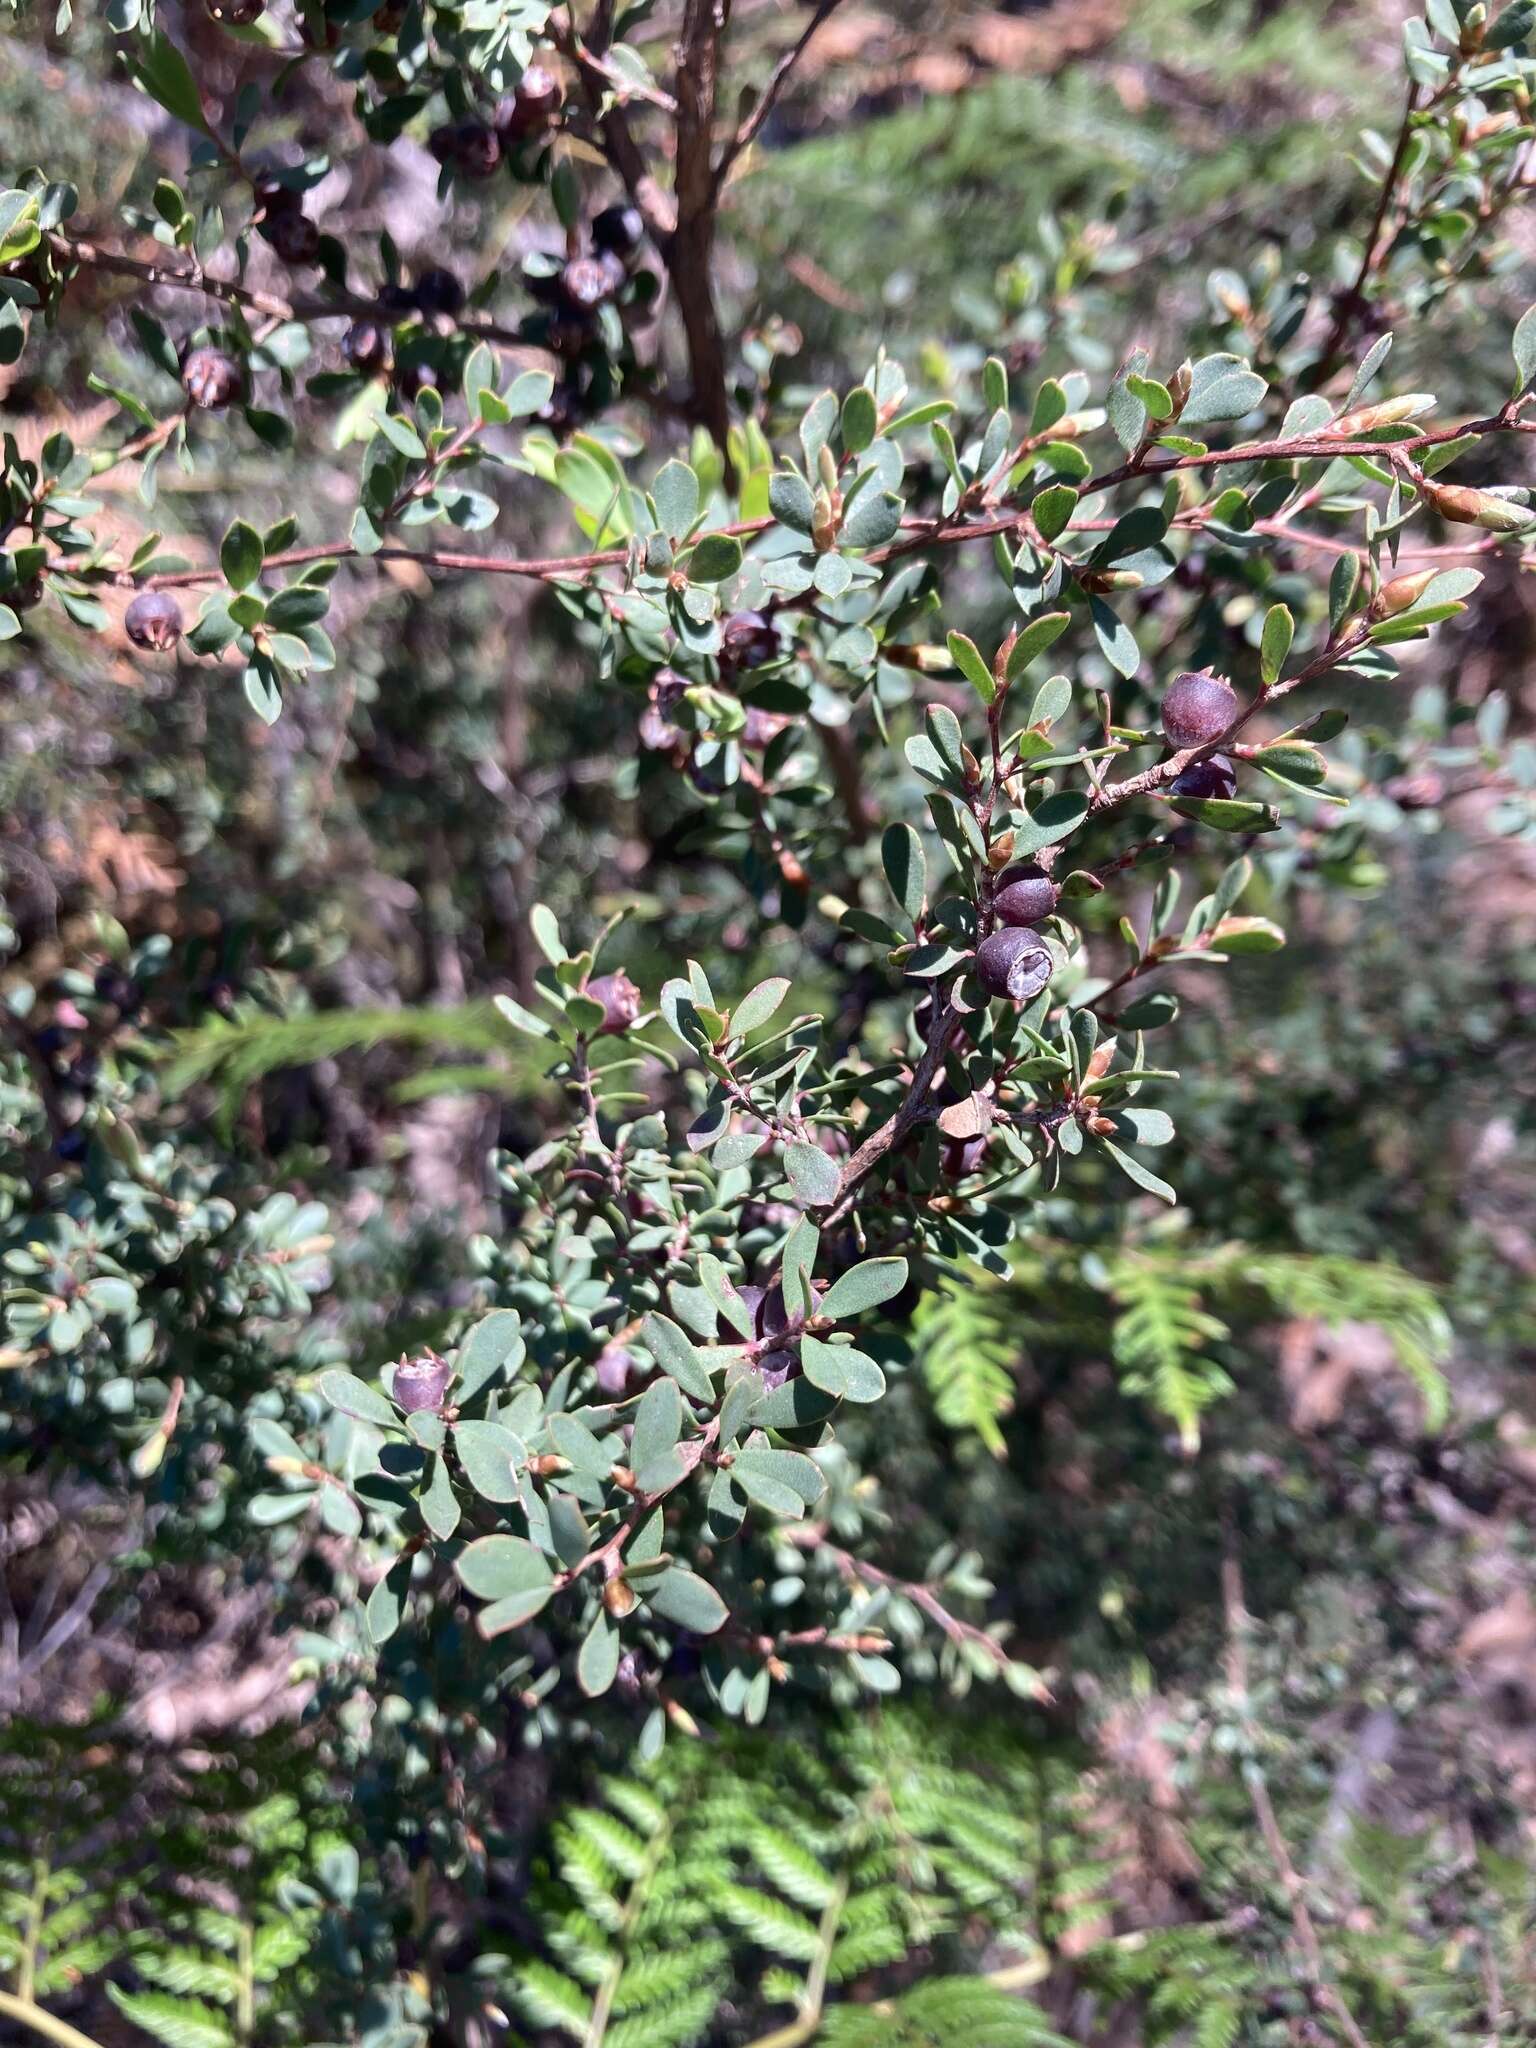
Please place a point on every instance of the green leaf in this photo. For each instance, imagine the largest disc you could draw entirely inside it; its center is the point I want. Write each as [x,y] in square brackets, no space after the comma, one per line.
[715,556]
[653,1452]
[840,1369]
[1525,345]
[1052,510]
[812,1174]
[790,500]
[178,2022]
[860,419]
[1142,1175]
[758,1005]
[241,556]
[165,76]
[783,1482]
[485,1352]
[1222,387]
[1275,643]
[966,656]
[529,392]
[1247,935]
[1228,814]
[597,1661]
[1034,638]
[399,433]
[503,1568]
[872,520]
[864,1287]
[683,1597]
[492,1458]
[676,495]
[1054,819]
[906,870]
[353,1397]
[676,1355]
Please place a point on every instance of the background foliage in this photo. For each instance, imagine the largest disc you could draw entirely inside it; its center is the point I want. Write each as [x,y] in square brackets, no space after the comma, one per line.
[1194,1540]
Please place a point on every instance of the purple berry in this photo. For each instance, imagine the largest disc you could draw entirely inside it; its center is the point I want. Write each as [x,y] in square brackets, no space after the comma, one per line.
[153,621]
[748,640]
[614,1365]
[420,1383]
[1197,708]
[588,282]
[438,291]
[532,107]
[210,378]
[1025,897]
[1013,963]
[366,346]
[618,229]
[620,998]
[1215,777]
[295,238]
[962,1157]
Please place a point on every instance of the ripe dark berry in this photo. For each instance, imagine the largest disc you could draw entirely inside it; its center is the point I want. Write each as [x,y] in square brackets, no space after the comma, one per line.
[210,378]
[420,1383]
[620,998]
[113,986]
[588,282]
[274,197]
[532,107]
[153,621]
[618,229]
[1197,708]
[366,346]
[396,300]
[235,13]
[71,1145]
[748,640]
[1013,963]
[1215,777]
[1026,896]
[295,238]
[390,18]
[438,291]
[24,597]
[415,377]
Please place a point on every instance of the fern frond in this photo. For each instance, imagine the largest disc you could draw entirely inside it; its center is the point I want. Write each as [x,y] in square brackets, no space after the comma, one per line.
[1159,1339]
[967,1346]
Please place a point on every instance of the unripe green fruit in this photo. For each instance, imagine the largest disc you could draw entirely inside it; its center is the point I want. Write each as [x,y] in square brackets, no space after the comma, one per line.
[1013,963]
[1198,708]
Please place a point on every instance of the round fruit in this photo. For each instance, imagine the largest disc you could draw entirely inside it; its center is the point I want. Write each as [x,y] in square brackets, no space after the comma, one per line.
[748,640]
[294,236]
[532,107]
[1197,708]
[614,1366]
[210,378]
[274,197]
[962,1157]
[1013,963]
[24,597]
[414,378]
[438,291]
[235,13]
[396,300]
[1215,777]
[588,282]
[620,998]
[366,346]
[420,1383]
[618,229]
[153,621]
[1025,897]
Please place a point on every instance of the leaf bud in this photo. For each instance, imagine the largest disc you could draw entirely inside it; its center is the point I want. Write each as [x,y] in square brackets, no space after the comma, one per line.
[1401,594]
[1465,507]
[1390,412]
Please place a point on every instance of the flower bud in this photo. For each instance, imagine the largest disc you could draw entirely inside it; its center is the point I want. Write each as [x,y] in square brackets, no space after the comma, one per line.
[1464,507]
[1390,412]
[1013,962]
[420,1383]
[1401,594]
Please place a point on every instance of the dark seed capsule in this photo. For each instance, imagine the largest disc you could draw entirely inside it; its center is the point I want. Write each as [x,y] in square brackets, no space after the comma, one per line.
[153,621]
[1215,777]
[420,1383]
[618,229]
[438,291]
[748,640]
[274,197]
[1197,708]
[1026,896]
[620,998]
[1013,963]
[210,378]
[396,300]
